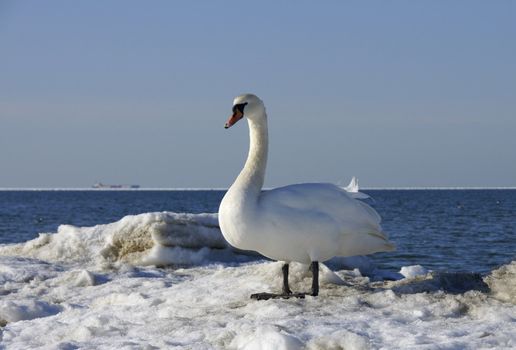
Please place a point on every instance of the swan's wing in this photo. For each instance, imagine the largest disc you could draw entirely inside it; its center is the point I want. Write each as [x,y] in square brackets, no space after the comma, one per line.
[325,199]
[353,190]
[359,195]
[322,217]
[353,185]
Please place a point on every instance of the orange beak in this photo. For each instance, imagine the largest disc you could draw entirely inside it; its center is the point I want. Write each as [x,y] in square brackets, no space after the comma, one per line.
[233,119]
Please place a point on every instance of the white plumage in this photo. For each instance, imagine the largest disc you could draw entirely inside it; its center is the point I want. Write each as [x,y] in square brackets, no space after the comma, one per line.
[310,222]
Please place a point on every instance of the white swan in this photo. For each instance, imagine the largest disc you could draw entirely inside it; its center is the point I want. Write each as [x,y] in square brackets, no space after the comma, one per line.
[307,223]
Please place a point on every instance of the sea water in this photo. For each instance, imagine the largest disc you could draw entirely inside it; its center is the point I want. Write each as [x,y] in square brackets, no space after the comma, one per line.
[150,269]
[446,230]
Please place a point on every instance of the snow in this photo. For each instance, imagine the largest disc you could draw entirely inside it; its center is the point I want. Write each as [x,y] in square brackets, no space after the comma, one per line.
[166,280]
[14,310]
[266,337]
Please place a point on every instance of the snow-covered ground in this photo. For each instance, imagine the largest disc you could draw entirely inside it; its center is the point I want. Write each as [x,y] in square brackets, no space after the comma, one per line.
[99,287]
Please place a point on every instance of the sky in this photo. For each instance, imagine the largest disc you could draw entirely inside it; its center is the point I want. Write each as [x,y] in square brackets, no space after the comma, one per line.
[397,93]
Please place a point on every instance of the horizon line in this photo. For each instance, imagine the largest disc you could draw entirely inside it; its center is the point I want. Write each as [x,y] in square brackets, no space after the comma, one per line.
[373,188]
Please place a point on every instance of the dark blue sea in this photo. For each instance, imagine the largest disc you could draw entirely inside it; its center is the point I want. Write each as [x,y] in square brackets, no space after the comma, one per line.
[445,230]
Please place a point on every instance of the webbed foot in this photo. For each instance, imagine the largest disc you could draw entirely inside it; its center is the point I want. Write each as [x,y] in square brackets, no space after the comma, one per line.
[267,296]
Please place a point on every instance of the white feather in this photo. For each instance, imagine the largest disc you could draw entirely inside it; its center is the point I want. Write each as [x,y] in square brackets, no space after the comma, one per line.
[302,222]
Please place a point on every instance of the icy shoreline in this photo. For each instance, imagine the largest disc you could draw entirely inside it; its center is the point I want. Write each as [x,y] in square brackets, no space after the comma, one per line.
[98,287]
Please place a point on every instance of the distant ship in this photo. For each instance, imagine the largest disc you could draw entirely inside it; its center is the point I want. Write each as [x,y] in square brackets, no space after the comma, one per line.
[101,185]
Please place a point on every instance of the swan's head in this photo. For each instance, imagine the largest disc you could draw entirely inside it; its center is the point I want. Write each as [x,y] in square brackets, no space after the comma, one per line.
[249,105]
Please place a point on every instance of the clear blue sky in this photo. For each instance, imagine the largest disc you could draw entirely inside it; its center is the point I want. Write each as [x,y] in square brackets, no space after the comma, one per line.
[398,93]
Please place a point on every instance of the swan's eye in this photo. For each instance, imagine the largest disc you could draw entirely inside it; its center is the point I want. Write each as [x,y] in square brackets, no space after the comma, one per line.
[239,107]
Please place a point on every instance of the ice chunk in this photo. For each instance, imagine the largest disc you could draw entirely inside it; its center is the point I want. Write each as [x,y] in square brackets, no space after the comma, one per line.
[85,278]
[28,309]
[129,239]
[502,283]
[413,271]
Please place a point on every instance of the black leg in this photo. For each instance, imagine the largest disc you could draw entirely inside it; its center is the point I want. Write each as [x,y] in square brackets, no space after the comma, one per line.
[287,293]
[286,289]
[315,280]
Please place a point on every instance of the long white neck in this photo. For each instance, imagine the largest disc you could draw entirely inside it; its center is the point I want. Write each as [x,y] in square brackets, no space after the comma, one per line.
[251,178]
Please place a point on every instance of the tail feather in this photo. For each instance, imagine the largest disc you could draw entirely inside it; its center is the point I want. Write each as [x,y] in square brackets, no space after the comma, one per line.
[379,234]
[387,246]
